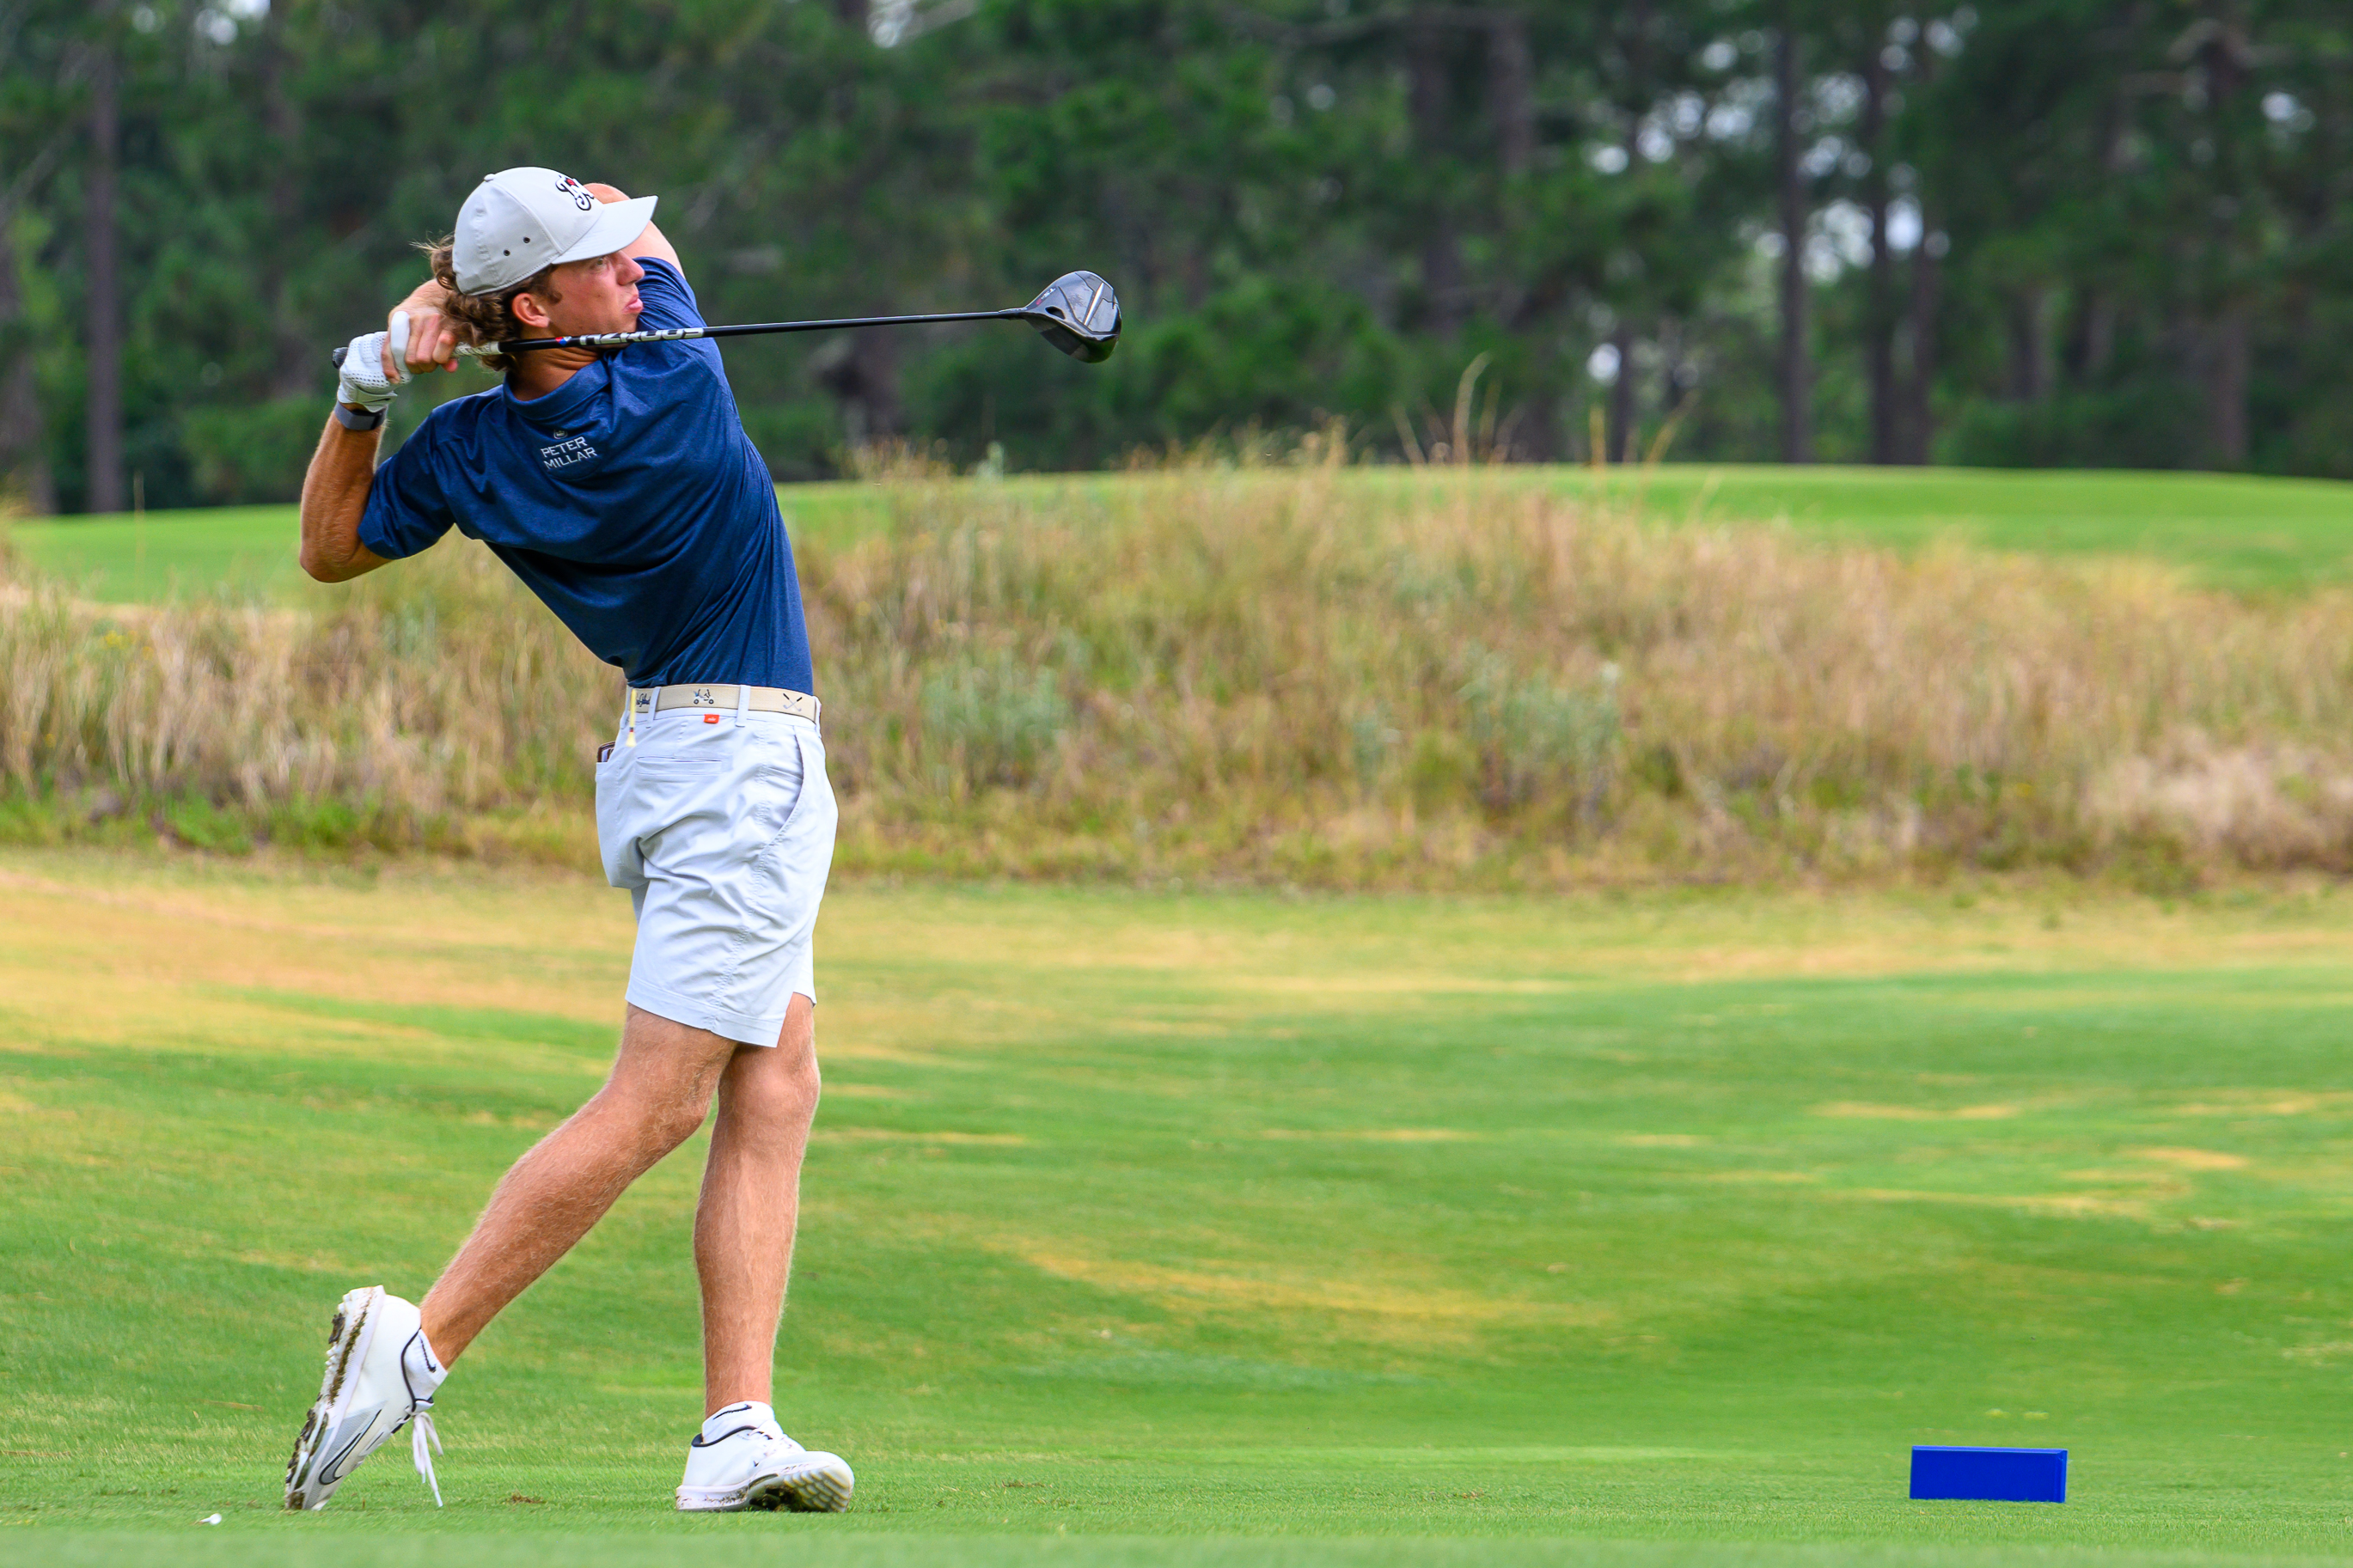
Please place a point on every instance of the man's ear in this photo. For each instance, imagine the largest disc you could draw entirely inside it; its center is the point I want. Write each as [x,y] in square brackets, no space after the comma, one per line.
[526,308]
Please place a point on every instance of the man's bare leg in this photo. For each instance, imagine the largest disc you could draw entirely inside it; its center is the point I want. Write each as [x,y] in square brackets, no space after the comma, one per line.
[660,1085]
[751,1200]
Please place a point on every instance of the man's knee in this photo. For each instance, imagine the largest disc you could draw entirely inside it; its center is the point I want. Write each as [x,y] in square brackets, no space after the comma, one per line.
[793,1077]
[651,1123]
[773,1092]
[782,1087]
[671,1125]
[662,1082]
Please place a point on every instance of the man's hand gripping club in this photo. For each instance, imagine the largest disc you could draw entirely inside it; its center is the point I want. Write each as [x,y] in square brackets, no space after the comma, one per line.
[418,337]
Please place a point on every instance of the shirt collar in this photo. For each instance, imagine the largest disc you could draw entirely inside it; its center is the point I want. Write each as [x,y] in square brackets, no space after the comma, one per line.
[564,404]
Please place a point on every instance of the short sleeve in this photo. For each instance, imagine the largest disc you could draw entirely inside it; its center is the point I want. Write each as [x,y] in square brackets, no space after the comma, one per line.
[405,508]
[668,300]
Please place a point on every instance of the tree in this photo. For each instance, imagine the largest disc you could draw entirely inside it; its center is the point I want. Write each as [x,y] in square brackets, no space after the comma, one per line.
[101,284]
[1791,123]
[2043,231]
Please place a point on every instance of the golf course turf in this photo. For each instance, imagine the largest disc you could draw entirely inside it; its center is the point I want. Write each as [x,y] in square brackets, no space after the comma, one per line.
[1649,1231]
[2230,530]
[1170,1228]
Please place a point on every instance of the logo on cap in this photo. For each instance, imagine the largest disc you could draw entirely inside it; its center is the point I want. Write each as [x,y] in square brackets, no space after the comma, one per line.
[520,220]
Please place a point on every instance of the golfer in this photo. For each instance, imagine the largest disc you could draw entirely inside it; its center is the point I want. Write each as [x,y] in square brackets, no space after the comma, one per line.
[621,488]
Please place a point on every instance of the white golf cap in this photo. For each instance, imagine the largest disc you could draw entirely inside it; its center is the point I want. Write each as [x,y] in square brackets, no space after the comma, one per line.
[520,220]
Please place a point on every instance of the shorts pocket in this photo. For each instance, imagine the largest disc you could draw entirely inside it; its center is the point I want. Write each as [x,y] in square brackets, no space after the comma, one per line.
[701,762]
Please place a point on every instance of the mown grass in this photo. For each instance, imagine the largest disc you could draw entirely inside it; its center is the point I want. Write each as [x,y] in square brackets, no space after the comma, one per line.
[248,553]
[1668,1218]
[1312,677]
[2226,530]
[614,1549]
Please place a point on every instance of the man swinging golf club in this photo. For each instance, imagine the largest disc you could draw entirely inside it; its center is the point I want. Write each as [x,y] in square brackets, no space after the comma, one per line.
[621,488]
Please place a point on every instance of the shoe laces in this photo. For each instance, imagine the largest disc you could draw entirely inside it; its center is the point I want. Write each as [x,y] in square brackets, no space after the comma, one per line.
[420,1433]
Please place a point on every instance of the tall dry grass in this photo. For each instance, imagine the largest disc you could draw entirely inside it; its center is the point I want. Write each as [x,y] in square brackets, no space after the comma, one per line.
[435,706]
[1279,677]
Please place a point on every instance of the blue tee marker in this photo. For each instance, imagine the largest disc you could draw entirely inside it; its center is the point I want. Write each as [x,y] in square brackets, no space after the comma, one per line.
[1990,1475]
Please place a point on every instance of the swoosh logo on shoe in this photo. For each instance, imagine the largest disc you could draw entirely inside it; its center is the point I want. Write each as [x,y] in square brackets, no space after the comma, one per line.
[332,1470]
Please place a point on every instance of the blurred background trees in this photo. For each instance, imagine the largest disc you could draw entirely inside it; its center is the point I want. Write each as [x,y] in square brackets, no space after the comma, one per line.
[2084,232]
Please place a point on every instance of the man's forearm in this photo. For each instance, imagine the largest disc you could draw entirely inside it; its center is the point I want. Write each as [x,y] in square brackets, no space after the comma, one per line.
[342,468]
[335,496]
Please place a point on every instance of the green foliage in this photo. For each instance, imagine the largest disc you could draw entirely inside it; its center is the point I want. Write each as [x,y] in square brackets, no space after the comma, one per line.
[241,456]
[199,823]
[1537,737]
[992,722]
[2133,241]
[801,438]
[2148,424]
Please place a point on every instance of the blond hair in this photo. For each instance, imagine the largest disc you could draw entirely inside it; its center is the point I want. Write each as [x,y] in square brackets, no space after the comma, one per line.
[487,318]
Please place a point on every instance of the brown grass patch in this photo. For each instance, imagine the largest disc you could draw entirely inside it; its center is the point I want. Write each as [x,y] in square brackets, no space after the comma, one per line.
[1393,1311]
[1863,1112]
[2058,1206]
[2270,1102]
[1283,679]
[1374,1135]
[2194,1159]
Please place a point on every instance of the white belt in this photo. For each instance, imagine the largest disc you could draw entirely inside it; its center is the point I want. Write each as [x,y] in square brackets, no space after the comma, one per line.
[643,699]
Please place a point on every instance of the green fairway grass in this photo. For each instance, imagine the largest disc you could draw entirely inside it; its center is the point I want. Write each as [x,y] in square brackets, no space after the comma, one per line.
[249,550]
[243,551]
[2232,530]
[201,1549]
[1212,1229]
[2240,531]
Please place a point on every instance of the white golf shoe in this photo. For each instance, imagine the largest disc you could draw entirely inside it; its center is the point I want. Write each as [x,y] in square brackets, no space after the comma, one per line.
[381,1374]
[742,1459]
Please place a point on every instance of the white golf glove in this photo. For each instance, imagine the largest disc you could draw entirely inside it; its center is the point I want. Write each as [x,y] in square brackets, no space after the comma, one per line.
[362,383]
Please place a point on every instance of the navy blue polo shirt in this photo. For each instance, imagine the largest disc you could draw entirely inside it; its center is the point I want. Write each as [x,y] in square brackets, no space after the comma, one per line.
[629,498]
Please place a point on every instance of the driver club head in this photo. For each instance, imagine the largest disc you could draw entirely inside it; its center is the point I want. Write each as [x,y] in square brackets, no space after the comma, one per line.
[1079,314]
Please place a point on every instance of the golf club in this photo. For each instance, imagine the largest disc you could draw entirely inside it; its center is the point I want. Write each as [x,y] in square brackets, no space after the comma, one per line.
[1077,312]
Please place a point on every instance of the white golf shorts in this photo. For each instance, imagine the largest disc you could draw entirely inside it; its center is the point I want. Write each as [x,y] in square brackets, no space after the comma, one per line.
[721,826]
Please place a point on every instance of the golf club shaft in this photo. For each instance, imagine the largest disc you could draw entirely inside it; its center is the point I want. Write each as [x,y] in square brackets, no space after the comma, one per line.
[748,329]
